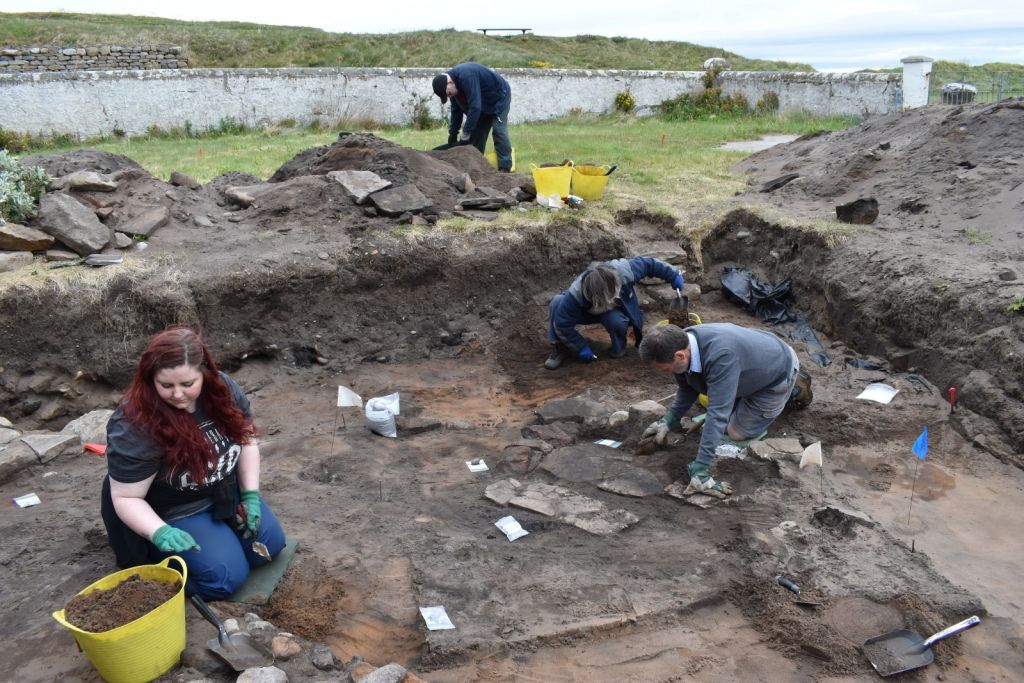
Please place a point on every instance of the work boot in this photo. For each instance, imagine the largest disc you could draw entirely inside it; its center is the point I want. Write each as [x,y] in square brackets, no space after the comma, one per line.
[701,481]
[558,355]
[802,394]
[618,354]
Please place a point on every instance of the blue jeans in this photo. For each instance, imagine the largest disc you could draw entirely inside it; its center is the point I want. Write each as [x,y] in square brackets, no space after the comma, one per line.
[502,142]
[223,562]
[497,126]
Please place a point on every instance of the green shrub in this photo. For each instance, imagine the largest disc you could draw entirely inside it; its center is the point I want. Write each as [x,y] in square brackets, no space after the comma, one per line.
[625,102]
[13,142]
[20,189]
[768,103]
[1016,304]
[422,114]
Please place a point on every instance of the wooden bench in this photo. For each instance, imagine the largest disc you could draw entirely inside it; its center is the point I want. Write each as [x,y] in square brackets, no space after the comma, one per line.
[523,30]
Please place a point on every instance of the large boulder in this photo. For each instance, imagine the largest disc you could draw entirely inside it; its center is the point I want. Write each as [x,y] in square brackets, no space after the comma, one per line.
[72,223]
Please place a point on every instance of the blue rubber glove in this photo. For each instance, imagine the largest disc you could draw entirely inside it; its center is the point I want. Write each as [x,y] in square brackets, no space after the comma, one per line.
[253,511]
[586,354]
[678,282]
[169,539]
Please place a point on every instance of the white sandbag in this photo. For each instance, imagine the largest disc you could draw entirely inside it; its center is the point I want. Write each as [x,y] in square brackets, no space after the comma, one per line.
[380,415]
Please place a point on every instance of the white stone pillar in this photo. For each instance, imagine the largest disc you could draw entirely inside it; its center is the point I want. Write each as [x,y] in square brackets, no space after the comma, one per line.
[917,72]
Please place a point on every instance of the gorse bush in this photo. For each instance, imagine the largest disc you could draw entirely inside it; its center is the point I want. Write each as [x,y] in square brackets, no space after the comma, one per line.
[20,189]
[625,102]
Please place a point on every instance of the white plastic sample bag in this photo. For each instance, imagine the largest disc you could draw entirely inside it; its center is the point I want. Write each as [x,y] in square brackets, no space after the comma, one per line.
[380,415]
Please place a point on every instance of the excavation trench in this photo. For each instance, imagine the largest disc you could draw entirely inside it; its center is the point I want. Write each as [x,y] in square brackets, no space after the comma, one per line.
[455,323]
[397,524]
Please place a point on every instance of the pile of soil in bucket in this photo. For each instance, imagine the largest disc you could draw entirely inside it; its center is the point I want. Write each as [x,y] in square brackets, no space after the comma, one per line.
[103,610]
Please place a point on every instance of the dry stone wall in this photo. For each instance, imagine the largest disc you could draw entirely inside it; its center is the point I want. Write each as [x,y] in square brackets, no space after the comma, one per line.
[91,58]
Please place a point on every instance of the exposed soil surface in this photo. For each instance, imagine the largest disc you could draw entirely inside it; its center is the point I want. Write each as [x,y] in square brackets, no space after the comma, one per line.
[303,292]
[102,610]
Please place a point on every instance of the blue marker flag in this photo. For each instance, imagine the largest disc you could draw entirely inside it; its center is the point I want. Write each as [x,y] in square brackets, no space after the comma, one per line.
[921,445]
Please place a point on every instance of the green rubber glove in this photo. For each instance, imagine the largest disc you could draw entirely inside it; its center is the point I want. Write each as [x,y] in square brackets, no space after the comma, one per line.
[672,420]
[168,539]
[253,510]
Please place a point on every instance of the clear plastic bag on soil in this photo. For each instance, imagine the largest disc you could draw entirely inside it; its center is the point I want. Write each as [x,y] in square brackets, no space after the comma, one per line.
[380,415]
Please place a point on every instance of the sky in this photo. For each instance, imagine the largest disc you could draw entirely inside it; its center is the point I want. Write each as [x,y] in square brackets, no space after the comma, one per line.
[825,34]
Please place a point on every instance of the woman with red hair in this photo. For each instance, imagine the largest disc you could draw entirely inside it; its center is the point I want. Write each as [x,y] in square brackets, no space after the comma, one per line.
[183,469]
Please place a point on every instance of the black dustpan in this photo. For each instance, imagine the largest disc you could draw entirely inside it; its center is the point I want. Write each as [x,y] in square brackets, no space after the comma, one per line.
[905,650]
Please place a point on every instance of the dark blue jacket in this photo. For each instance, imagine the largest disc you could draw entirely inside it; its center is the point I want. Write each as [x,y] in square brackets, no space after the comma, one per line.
[481,91]
[571,309]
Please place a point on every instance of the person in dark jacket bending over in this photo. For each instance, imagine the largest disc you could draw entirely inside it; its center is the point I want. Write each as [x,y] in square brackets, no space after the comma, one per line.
[749,377]
[480,103]
[605,293]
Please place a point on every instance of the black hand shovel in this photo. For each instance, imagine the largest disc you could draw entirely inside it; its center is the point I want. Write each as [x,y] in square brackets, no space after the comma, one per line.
[238,650]
[904,650]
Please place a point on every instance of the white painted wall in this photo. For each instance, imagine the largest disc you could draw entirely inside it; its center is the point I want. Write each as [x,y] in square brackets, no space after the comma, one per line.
[917,73]
[98,102]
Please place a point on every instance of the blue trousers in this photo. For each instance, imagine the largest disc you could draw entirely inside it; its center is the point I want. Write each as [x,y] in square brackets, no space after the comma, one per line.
[497,125]
[223,562]
[615,321]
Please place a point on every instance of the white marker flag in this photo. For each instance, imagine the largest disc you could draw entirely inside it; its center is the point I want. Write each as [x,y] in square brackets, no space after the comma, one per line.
[347,397]
[811,455]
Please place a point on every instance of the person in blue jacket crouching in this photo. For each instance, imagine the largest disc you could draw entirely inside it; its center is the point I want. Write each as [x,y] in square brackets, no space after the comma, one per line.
[605,293]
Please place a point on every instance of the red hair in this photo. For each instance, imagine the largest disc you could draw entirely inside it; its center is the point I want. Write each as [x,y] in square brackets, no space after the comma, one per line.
[174,430]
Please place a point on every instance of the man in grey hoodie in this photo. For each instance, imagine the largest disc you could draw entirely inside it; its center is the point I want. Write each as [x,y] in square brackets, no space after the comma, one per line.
[749,377]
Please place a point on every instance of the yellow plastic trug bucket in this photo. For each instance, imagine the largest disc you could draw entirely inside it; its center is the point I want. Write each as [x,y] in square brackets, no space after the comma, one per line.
[588,182]
[492,159]
[140,650]
[552,180]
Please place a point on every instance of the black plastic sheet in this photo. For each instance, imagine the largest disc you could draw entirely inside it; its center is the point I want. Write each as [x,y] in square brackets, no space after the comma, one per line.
[771,304]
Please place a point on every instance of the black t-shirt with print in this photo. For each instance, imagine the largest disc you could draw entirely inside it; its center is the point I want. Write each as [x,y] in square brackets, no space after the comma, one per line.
[132,457]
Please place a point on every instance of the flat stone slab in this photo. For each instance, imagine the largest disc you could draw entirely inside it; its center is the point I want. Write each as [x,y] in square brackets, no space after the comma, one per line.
[15,457]
[91,427]
[576,409]
[562,504]
[359,185]
[399,200]
[777,449]
[557,434]
[49,445]
[88,181]
[14,237]
[588,462]
[635,482]
[147,222]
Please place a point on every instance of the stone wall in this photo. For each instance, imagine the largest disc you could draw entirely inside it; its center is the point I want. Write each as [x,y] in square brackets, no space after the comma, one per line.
[90,103]
[91,58]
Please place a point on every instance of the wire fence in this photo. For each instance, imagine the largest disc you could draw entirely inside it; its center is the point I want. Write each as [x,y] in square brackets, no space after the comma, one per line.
[952,87]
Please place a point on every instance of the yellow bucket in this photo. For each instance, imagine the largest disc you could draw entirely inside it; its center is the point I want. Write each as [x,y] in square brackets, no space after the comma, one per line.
[492,158]
[140,650]
[588,182]
[552,180]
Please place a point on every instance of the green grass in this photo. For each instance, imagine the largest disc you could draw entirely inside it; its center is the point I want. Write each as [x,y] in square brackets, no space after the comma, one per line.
[237,44]
[664,166]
